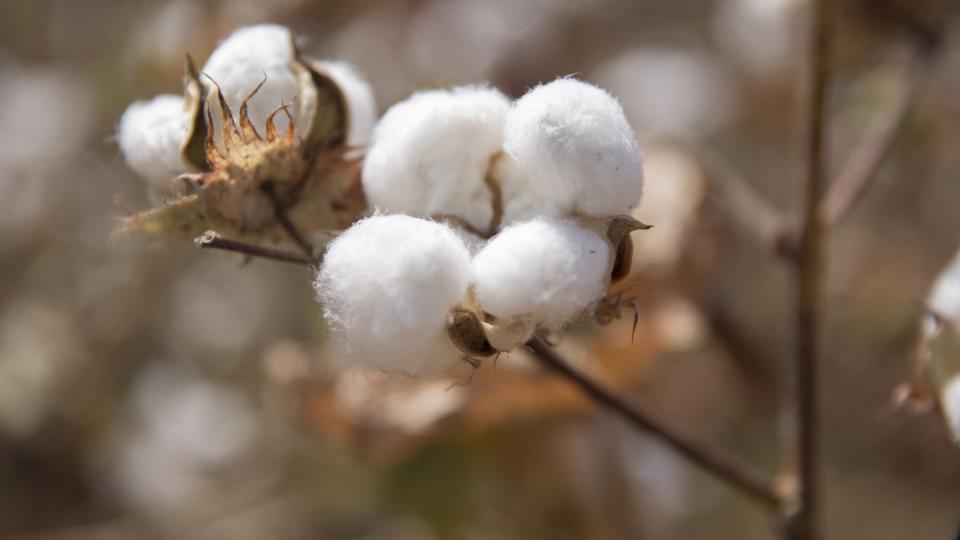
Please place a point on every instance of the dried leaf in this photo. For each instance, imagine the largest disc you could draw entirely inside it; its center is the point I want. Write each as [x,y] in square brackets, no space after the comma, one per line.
[192,149]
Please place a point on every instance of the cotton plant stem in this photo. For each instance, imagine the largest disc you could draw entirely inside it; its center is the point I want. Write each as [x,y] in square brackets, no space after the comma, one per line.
[211,240]
[803,520]
[728,468]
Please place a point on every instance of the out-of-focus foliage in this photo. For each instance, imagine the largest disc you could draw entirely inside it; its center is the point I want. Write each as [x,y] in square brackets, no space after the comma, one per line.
[149,390]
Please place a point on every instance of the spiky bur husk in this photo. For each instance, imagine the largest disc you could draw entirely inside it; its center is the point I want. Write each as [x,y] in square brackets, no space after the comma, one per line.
[480,335]
[255,187]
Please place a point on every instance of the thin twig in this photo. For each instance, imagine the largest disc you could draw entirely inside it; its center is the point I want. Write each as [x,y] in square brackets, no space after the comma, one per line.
[210,240]
[726,467]
[803,522]
[753,212]
[861,168]
[280,214]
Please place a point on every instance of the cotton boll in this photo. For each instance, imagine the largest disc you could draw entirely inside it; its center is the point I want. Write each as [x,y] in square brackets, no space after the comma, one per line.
[944,298]
[521,202]
[150,135]
[545,270]
[360,100]
[572,141]
[431,153]
[387,285]
[242,60]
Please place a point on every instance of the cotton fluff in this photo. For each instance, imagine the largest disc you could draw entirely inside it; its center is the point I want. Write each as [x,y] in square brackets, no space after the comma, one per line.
[241,62]
[360,100]
[546,271]
[944,298]
[150,135]
[431,153]
[386,286]
[574,144]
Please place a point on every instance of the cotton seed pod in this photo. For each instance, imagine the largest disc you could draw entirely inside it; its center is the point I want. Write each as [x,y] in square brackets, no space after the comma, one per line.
[431,154]
[544,272]
[572,142]
[387,286]
[150,134]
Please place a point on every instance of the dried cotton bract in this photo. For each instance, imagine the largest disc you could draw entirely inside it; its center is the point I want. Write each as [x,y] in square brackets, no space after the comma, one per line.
[150,135]
[362,104]
[541,272]
[573,144]
[387,285]
[431,154]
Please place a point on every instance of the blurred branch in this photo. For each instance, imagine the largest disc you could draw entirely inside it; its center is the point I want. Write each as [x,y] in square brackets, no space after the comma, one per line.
[211,240]
[803,520]
[770,225]
[861,168]
[726,467]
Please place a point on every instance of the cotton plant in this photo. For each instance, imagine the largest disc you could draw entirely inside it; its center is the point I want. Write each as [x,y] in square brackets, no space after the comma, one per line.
[469,224]
[403,292]
[259,145]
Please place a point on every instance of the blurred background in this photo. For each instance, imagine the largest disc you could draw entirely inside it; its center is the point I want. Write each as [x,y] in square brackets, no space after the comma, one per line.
[148,390]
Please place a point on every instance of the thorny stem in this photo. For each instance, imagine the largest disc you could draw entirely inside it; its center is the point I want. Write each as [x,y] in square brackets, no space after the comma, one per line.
[726,467]
[803,521]
[210,240]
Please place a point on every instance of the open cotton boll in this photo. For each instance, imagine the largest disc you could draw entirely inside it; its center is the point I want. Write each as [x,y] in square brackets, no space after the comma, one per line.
[546,271]
[387,285]
[360,100]
[521,202]
[241,62]
[944,298]
[150,134]
[431,153]
[572,141]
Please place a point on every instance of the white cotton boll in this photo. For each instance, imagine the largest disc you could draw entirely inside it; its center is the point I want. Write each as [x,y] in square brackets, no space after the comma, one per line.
[150,135]
[944,298]
[242,60]
[572,141]
[431,153]
[387,285]
[360,100]
[545,270]
[521,202]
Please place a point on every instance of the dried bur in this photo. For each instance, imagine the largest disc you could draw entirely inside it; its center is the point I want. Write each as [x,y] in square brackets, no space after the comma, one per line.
[479,335]
[278,188]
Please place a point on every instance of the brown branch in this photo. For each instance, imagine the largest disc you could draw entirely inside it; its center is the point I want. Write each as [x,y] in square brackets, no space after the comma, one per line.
[803,521]
[210,240]
[742,202]
[726,467]
[280,214]
[861,168]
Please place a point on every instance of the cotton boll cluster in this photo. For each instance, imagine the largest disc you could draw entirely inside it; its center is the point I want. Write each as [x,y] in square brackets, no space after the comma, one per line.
[573,143]
[431,153]
[549,177]
[386,286]
[150,135]
[544,271]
